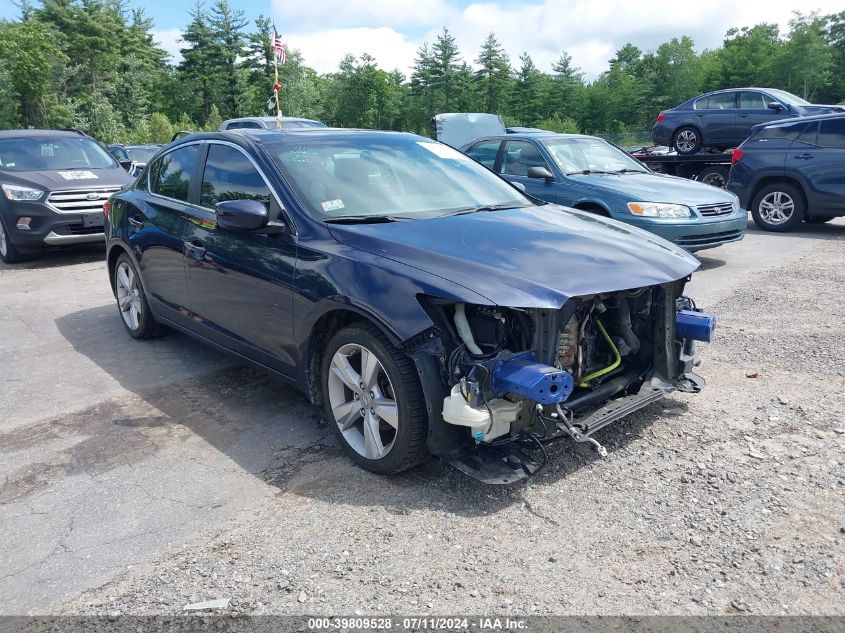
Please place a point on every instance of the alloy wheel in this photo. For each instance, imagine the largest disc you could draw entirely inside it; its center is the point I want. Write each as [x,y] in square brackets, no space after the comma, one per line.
[686,140]
[128,296]
[362,401]
[776,207]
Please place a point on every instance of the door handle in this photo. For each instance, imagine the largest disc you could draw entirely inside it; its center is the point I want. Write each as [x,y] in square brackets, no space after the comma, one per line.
[194,250]
[803,156]
[136,224]
[742,116]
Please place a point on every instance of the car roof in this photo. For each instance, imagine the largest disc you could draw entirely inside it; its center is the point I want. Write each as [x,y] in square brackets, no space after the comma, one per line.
[260,136]
[533,135]
[40,132]
[801,119]
[268,119]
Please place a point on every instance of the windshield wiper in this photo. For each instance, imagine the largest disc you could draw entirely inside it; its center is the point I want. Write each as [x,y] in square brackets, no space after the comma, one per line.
[366,219]
[629,171]
[587,172]
[482,208]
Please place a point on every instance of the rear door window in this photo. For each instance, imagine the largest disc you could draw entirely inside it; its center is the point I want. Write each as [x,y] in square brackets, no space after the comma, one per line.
[485,152]
[724,101]
[171,177]
[832,133]
[787,132]
[809,134]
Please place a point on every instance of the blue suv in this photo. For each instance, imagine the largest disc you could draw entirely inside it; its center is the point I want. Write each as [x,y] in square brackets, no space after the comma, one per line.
[724,118]
[792,171]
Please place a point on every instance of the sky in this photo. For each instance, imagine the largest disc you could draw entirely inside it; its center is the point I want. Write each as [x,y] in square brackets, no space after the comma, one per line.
[392,30]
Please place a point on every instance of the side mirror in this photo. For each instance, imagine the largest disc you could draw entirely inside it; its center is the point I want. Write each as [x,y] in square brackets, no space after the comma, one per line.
[126,163]
[519,186]
[540,172]
[241,215]
[774,105]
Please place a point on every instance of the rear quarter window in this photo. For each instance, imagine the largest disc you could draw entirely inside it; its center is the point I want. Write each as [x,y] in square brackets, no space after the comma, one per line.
[832,133]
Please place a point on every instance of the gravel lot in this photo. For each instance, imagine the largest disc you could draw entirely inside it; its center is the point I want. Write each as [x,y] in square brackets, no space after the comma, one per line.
[141,477]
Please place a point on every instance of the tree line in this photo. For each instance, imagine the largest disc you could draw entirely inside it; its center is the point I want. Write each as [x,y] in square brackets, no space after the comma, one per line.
[94,65]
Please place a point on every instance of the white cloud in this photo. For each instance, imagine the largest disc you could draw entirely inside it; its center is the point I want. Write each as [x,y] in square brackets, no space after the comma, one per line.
[357,13]
[589,30]
[171,41]
[323,50]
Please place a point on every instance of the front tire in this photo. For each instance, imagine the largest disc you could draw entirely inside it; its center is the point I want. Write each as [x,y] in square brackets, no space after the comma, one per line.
[686,140]
[8,253]
[374,401]
[778,207]
[132,302]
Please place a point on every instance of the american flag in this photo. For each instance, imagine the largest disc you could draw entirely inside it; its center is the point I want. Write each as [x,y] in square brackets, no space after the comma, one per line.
[278,47]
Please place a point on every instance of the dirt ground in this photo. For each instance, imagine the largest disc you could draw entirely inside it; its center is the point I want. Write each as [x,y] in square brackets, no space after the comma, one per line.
[139,478]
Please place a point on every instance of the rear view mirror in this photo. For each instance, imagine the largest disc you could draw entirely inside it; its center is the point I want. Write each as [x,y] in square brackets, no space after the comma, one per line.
[540,172]
[241,215]
[774,105]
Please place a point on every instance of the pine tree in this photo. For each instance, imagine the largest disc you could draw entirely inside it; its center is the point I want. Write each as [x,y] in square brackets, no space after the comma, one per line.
[493,78]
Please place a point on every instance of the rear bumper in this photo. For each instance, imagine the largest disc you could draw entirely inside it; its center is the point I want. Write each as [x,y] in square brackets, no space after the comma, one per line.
[661,135]
[48,228]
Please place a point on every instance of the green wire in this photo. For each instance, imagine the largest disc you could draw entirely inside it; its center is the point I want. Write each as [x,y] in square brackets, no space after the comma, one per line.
[585,382]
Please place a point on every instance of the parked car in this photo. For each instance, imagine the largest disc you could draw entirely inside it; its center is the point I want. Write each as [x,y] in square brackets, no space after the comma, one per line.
[54,185]
[268,123]
[586,172]
[724,118]
[133,153]
[426,303]
[133,158]
[792,171]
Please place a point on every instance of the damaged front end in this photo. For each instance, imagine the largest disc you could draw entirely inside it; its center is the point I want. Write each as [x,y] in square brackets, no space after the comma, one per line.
[501,382]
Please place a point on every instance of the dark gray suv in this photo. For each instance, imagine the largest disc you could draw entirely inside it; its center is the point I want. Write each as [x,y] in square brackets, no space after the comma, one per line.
[724,118]
[54,184]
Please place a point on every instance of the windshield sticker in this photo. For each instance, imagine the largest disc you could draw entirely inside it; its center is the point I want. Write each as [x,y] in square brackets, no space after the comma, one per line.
[332,205]
[443,151]
[78,174]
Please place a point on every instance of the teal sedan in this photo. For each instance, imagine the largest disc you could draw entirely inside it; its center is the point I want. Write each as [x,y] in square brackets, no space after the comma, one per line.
[586,172]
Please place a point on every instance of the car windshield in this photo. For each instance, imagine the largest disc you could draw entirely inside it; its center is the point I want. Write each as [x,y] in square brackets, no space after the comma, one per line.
[141,154]
[45,153]
[578,155]
[355,176]
[788,97]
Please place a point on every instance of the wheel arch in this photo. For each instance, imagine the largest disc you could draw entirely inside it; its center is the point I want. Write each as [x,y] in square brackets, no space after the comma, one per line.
[592,206]
[324,327]
[771,180]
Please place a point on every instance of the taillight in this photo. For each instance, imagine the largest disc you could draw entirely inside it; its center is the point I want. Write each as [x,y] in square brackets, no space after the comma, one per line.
[660,117]
[106,208]
[737,155]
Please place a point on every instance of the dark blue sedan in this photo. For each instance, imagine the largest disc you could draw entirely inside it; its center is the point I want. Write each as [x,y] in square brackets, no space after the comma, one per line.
[427,304]
[589,173]
[724,118]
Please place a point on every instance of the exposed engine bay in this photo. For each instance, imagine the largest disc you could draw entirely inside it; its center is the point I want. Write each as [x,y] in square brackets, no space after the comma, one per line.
[517,378]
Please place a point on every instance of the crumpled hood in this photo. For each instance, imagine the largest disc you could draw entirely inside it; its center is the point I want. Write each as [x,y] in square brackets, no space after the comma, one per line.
[657,188]
[818,108]
[50,180]
[537,256]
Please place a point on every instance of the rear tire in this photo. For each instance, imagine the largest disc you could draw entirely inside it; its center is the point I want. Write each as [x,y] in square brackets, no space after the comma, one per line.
[686,140]
[8,253]
[132,302]
[374,401]
[778,207]
[715,175]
